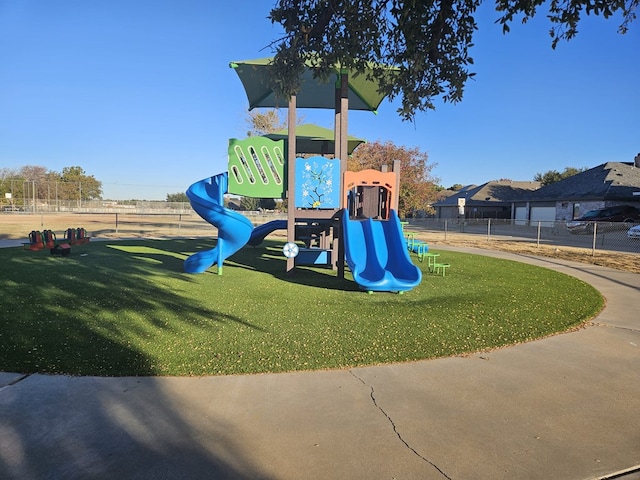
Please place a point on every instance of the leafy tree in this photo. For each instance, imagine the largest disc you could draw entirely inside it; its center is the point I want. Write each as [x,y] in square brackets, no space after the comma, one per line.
[249,203]
[177,197]
[35,178]
[75,184]
[427,40]
[12,183]
[418,188]
[37,182]
[548,177]
[456,187]
[553,176]
[33,173]
[262,123]
[30,181]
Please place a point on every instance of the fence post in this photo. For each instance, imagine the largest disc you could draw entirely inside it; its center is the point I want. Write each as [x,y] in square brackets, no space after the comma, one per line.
[488,229]
[116,223]
[445,229]
[595,231]
[539,223]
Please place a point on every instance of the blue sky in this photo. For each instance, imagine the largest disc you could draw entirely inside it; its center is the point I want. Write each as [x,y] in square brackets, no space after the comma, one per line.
[140,95]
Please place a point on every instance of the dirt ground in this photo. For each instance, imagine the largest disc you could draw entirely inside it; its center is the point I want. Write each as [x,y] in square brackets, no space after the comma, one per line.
[604,258]
[18,226]
[104,225]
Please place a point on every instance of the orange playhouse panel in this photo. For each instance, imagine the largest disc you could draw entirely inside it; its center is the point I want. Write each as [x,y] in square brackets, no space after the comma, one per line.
[369,178]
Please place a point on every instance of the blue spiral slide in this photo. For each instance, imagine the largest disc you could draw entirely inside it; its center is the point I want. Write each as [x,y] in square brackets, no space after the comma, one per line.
[377,255]
[261,231]
[234,229]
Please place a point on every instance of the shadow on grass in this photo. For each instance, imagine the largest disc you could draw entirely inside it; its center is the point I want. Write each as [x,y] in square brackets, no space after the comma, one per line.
[102,427]
[268,257]
[127,307]
[62,313]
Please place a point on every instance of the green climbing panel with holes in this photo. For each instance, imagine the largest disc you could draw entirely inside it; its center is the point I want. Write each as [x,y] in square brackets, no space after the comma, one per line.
[256,167]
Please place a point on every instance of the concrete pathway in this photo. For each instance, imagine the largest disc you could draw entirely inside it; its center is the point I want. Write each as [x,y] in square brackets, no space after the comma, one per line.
[566,407]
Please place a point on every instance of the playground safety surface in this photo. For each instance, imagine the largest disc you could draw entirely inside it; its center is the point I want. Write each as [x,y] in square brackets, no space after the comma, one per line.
[565,407]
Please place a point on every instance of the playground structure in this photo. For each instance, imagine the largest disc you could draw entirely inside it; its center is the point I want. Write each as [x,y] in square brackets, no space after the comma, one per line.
[367,233]
[340,217]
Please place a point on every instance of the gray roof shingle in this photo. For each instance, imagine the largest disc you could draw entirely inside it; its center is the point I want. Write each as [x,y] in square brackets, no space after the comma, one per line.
[490,193]
[609,181]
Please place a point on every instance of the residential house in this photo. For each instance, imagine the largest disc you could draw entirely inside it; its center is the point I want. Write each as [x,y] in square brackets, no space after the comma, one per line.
[607,185]
[495,199]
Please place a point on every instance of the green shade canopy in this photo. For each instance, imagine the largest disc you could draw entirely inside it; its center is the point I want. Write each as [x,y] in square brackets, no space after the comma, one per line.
[346,91]
[314,139]
[254,75]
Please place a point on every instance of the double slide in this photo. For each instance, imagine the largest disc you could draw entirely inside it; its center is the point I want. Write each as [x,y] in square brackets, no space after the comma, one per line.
[377,255]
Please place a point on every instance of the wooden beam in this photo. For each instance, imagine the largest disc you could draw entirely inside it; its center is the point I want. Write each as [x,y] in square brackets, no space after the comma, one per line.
[342,152]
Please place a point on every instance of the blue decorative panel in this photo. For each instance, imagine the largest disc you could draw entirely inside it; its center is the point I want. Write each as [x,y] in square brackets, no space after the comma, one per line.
[317,183]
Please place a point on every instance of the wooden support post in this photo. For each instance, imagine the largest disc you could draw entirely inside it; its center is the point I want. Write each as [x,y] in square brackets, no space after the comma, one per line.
[396,193]
[341,150]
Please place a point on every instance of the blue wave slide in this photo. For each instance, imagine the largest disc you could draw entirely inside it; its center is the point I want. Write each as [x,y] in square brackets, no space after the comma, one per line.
[377,255]
[234,229]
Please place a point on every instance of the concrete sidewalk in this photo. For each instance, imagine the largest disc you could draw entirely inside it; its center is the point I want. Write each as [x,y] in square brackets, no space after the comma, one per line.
[566,407]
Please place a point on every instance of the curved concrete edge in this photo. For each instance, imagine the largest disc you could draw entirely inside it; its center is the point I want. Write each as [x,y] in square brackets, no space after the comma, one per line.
[564,407]
[620,288]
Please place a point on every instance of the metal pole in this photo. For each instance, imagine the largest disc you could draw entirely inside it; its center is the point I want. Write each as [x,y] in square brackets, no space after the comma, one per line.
[593,246]
[291,180]
[222,188]
[539,233]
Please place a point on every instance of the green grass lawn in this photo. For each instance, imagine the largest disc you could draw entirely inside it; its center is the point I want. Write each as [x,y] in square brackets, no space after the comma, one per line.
[127,308]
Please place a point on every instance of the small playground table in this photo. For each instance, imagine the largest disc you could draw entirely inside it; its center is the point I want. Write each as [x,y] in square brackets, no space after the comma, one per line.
[441,266]
[431,260]
[410,237]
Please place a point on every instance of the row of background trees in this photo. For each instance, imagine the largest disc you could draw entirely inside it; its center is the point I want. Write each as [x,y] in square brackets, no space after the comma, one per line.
[29,183]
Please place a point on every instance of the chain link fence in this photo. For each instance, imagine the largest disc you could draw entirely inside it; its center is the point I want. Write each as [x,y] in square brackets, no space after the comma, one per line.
[98,206]
[600,236]
[158,219]
[144,219]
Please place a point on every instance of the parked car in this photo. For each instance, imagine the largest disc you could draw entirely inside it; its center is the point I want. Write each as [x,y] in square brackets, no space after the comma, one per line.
[11,209]
[634,232]
[610,218]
